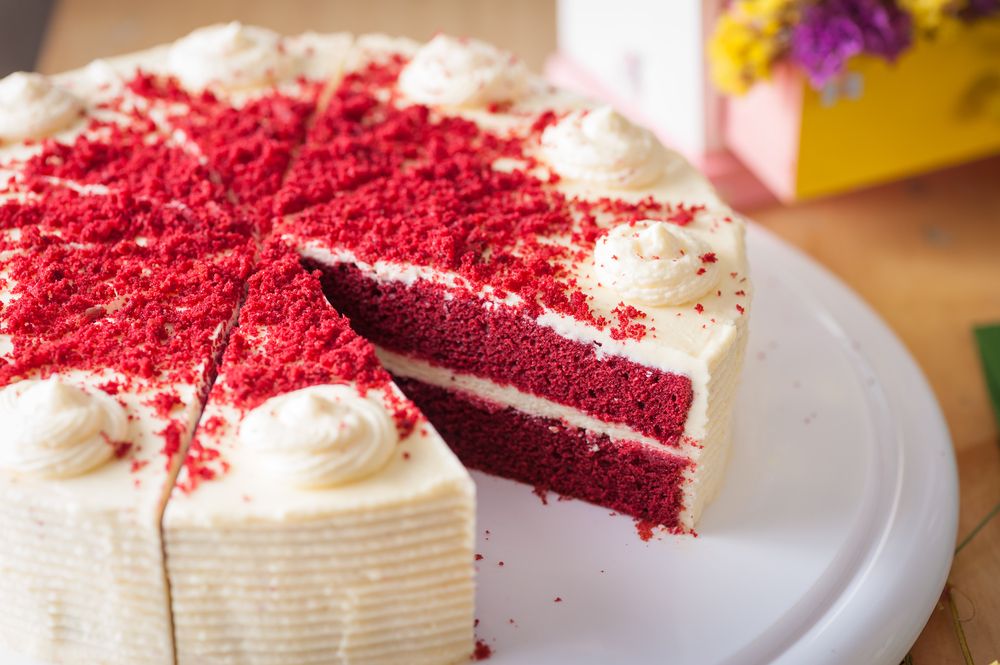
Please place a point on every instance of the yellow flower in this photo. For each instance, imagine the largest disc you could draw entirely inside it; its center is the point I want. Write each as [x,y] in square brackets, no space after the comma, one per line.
[746,41]
[932,15]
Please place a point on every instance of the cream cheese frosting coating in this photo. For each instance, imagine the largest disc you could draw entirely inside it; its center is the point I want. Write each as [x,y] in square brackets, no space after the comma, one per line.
[33,107]
[332,536]
[600,146]
[56,430]
[449,71]
[321,436]
[232,56]
[655,263]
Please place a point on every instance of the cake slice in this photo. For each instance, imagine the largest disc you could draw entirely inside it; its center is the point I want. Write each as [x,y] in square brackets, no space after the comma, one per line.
[113,312]
[563,297]
[240,97]
[90,131]
[319,517]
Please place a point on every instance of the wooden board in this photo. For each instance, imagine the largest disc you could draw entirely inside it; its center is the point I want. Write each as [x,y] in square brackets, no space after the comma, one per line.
[925,252]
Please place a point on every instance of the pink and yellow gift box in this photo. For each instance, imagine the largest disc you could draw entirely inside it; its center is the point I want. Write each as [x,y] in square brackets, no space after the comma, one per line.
[938,105]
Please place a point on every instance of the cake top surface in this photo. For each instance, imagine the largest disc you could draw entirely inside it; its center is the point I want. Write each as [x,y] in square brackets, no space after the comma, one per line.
[513,200]
[303,419]
[136,195]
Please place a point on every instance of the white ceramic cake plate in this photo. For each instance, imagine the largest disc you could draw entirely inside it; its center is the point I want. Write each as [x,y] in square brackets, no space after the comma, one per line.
[830,541]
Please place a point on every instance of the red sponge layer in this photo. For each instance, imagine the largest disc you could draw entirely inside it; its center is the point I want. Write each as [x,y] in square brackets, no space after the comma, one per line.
[454,330]
[623,475]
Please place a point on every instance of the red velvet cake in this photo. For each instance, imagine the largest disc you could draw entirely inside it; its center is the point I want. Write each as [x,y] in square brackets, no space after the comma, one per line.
[247,280]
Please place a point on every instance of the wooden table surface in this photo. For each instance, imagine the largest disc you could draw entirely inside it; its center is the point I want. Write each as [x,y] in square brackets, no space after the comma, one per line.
[924,252]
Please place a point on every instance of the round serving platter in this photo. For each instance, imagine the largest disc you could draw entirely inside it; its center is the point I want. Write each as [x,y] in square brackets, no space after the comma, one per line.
[829,544]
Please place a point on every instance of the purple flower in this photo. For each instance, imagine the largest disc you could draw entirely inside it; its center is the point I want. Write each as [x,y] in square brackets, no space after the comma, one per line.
[832,31]
[979,9]
[822,44]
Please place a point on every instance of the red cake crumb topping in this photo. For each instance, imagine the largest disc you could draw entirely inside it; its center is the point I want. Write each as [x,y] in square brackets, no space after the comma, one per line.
[165,402]
[708,257]
[200,464]
[289,337]
[114,282]
[699,308]
[404,184]
[121,448]
[248,146]
[684,214]
[544,120]
[628,326]
[134,159]
[213,425]
[173,439]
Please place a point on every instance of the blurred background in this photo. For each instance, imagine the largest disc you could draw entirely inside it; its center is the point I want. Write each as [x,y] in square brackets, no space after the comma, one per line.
[865,132]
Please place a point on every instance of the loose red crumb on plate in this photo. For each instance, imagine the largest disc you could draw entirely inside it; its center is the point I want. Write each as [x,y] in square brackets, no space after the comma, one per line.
[482,651]
[479,557]
[559,600]
[645,529]
[542,494]
[500,563]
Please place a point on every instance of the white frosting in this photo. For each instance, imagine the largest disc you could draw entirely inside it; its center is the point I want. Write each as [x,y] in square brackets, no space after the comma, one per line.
[321,436]
[602,147]
[232,56]
[32,107]
[448,71]
[654,263]
[55,430]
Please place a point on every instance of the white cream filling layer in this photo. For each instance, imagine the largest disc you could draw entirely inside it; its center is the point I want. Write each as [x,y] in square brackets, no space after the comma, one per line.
[708,454]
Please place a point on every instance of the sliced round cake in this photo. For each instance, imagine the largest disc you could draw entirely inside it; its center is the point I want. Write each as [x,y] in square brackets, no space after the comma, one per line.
[261,295]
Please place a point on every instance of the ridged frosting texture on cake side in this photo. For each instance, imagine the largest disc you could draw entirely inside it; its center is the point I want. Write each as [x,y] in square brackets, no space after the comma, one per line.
[81,559]
[372,571]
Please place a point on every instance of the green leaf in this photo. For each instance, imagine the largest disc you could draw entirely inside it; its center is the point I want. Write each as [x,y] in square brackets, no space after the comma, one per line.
[989,350]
